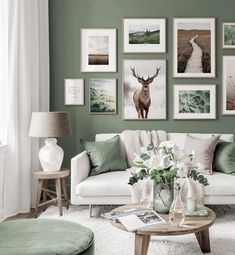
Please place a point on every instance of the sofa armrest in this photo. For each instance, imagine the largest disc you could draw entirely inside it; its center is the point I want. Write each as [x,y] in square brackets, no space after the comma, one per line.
[80,168]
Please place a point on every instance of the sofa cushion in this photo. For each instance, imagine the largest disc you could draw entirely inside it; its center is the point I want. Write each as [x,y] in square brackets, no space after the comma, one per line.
[224,158]
[105,156]
[106,184]
[204,150]
[220,184]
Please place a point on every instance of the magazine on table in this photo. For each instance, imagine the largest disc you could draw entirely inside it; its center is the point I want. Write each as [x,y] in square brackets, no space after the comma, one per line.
[134,219]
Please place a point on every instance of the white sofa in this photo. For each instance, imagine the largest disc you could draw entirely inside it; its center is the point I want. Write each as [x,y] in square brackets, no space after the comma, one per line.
[112,188]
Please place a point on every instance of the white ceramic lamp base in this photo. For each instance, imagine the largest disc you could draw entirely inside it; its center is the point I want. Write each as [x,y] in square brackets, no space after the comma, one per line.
[51,156]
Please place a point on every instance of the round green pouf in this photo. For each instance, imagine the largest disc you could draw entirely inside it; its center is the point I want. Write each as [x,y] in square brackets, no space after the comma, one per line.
[45,237]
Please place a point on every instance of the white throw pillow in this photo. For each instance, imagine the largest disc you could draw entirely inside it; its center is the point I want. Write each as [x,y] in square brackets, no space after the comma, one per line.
[204,150]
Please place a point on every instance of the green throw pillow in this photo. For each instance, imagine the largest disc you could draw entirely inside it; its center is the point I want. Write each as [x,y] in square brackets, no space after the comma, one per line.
[105,156]
[224,158]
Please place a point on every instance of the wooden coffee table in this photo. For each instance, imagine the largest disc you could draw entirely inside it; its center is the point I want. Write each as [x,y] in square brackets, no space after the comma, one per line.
[197,225]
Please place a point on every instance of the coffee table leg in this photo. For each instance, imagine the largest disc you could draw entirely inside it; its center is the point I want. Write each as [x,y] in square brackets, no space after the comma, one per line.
[141,244]
[203,239]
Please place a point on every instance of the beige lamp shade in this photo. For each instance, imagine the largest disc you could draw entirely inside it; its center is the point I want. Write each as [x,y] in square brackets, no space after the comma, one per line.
[50,124]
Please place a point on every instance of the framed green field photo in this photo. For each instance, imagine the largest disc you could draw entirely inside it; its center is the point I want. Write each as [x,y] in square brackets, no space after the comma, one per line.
[228,34]
[144,35]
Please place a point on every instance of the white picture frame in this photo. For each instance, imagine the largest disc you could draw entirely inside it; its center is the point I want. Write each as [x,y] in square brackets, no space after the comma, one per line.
[228,35]
[146,69]
[144,35]
[98,50]
[228,94]
[194,48]
[194,102]
[74,91]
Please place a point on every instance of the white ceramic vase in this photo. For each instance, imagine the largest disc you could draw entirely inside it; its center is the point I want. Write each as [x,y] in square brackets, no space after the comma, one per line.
[51,156]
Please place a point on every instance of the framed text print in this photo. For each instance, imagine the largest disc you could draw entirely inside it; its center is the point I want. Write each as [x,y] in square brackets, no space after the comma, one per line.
[74,91]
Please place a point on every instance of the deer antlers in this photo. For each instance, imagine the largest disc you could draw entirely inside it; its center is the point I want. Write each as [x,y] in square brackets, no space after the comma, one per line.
[149,79]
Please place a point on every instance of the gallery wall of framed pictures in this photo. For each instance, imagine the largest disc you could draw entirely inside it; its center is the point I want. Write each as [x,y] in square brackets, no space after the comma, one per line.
[144,77]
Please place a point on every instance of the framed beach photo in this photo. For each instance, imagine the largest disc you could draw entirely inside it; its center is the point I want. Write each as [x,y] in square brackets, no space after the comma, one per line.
[73,91]
[103,96]
[194,48]
[144,89]
[228,35]
[98,50]
[144,35]
[194,102]
[228,85]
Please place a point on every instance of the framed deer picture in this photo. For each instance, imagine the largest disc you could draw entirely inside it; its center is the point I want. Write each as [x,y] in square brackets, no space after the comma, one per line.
[194,47]
[144,89]
[144,35]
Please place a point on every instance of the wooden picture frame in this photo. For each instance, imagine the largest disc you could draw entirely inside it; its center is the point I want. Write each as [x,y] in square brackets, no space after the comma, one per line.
[144,35]
[103,96]
[148,77]
[228,35]
[98,50]
[194,102]
[228,94]
[194,48]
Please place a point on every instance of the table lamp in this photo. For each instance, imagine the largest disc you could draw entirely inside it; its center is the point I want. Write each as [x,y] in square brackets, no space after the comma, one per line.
[50,125]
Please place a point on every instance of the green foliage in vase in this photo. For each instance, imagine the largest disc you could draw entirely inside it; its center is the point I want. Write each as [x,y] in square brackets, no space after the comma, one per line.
[163,177]
[194,101]
[164,164]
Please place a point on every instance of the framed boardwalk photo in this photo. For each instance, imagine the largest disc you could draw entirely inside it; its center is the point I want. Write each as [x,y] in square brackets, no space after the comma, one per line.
[103,96]
[144,35]
[194,102]
[144,89]
[98,50]
[194,47]
[228,85]
[228,35]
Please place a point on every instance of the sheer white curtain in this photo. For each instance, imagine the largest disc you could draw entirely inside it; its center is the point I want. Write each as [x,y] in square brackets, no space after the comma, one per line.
[27,90]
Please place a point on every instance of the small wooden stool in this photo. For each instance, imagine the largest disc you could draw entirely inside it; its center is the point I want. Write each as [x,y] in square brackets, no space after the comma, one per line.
[55,196]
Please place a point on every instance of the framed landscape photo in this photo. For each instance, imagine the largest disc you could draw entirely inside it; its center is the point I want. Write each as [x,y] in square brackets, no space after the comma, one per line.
[103,96]
[228,85]
[98,50]
[194,102]
[144,35]
[194,47]
[74,91]
[144,89]
[228,35]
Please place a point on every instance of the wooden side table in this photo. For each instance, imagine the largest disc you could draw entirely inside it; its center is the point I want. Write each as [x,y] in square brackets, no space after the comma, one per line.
[55,196]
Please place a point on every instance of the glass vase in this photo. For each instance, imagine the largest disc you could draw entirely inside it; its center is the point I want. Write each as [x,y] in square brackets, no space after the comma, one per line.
[176,214]
[163,195]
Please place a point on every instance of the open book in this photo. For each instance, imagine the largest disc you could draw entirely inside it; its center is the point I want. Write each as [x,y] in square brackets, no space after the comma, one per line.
[134,219]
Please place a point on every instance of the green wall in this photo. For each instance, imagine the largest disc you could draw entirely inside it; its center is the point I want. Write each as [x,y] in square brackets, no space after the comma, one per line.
[66,19]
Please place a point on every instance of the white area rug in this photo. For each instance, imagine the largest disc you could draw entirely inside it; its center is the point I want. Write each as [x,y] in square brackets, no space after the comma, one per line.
[110,240]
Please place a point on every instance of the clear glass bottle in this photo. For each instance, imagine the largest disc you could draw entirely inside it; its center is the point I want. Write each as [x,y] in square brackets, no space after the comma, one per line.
[176,213]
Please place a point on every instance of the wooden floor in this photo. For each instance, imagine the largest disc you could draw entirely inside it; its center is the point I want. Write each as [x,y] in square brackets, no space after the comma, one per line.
[28,215]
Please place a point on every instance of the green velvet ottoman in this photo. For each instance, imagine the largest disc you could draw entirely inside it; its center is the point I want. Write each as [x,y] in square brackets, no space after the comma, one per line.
[45,236]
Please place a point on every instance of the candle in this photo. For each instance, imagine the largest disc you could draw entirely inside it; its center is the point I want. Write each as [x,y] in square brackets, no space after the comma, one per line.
[191,204]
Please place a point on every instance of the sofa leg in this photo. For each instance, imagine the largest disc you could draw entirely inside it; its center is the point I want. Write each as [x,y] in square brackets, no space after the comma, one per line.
[90,210]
